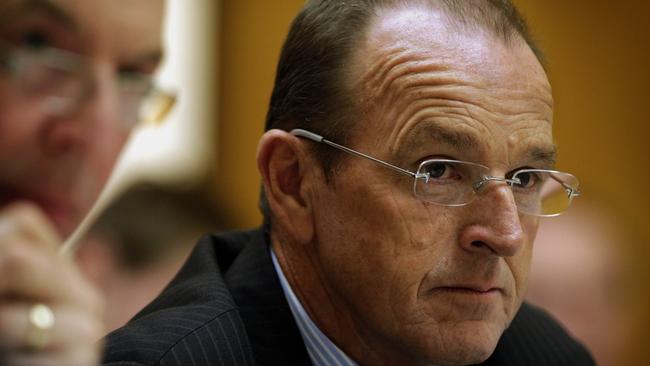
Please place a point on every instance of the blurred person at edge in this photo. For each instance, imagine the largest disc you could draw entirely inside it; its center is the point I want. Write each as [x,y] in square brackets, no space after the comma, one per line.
[72,75]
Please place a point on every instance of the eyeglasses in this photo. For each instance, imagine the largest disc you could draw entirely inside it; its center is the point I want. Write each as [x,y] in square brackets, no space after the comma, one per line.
[62,80]
[538,192]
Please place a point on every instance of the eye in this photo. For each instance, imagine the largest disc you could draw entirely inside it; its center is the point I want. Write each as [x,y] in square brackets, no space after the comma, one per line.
[38,29]
[134,83]
[129,71]
[137,75]
[526,179]
[31,37]
[35,39]
[437,170]
[440,170]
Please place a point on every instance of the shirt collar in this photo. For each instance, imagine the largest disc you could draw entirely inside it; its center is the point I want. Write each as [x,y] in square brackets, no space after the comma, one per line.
[322,351]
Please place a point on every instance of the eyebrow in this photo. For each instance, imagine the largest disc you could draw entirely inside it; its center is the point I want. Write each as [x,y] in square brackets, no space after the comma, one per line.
[151,58]
[544,154]
[154,57]
[431,130]
[45,6]
[455,139]
[547,156]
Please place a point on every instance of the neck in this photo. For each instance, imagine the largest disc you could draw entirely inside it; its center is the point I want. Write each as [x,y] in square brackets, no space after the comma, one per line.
[327,309]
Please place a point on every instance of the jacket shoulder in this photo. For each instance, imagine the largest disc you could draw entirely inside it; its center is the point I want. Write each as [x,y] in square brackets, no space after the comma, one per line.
[194,321]
[191,336]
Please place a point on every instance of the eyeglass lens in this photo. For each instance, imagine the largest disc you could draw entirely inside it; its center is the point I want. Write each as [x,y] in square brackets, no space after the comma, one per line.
[453,183]
[63,80]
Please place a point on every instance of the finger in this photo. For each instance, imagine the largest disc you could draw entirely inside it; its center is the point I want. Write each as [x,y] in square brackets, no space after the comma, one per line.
[26,220]
[17,332]
[71,329]
[28,273]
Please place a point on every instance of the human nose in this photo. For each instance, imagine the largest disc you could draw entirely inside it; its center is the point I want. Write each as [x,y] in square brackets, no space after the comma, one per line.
[495,227]
[74,128]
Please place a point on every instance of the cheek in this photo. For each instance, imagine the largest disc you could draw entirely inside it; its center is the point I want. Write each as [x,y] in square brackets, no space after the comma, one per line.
[22,123]
[19,123]
[100,156]
[388,241]
[107,149]
[389,227]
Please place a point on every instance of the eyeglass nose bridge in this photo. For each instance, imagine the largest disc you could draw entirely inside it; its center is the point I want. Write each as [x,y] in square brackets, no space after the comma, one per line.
[65,104]
[489,178]
[78,88]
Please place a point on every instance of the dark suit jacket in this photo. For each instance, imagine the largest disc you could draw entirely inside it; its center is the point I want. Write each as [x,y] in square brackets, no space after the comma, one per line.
[226,307]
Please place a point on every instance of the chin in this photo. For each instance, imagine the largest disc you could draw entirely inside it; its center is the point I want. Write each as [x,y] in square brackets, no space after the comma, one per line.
[474,341]
[464,343]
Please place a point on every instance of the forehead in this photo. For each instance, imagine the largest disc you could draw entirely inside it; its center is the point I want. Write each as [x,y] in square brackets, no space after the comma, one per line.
[417,70]
[122,26]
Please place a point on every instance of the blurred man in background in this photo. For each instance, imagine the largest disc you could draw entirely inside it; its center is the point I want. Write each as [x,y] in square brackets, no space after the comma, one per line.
[73,74]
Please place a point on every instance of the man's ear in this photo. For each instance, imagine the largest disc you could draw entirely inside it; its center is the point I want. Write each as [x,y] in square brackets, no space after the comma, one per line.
[281,160]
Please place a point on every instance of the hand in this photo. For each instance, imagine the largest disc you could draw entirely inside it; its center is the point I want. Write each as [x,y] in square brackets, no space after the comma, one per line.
[32,272]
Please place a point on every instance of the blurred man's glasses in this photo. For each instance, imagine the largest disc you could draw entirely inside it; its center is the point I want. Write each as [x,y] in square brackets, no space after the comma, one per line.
[538,192]
[62,80]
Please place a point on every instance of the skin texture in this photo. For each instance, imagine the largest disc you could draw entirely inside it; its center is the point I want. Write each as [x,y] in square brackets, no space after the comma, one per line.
[389,278]
[53,166]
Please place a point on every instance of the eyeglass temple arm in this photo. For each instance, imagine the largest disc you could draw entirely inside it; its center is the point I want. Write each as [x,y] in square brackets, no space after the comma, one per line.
[318,138]
[572,192]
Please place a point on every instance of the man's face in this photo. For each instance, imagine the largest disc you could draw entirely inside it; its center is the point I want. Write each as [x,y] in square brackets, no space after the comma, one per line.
[425,282]
[60,159]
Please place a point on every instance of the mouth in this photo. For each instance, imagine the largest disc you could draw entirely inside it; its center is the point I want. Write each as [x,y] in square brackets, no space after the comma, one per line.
[59,214]
[470,291]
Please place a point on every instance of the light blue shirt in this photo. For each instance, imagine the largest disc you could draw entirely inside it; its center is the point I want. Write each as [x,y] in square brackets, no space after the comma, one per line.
[322,351]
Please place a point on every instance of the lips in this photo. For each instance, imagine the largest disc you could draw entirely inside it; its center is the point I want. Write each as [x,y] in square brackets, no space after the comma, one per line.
[476,302]
[478,290]
[483,292]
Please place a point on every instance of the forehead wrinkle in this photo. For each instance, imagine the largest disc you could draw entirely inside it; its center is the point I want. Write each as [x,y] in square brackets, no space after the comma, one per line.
[463,105]
[436,131]
[448,93]
[448,74]
[406,81]
[424,79]
[527,103]
[440,102]
[377,70]
[391,66]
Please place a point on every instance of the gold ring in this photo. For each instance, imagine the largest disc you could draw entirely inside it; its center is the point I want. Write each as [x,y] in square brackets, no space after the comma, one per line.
[41,321]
